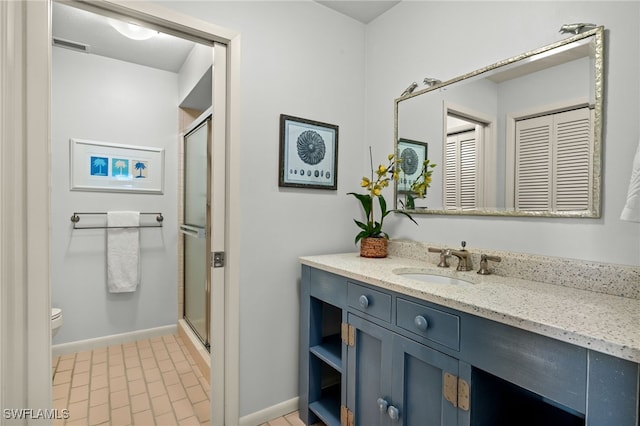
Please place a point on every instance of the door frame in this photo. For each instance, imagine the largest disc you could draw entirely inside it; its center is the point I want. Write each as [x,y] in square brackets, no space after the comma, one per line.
[25,111]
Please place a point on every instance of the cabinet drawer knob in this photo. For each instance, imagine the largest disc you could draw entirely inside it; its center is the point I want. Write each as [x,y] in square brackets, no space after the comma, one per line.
[421,323]
[394,413]
[383,404]
[364,301]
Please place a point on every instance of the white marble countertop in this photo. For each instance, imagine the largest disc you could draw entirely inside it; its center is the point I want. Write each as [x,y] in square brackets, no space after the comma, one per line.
[602,322]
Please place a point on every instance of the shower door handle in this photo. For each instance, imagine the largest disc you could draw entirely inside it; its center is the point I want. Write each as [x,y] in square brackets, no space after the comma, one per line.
[193,231]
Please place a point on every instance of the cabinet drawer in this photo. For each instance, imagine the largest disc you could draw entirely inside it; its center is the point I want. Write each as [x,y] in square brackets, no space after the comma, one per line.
[433,324]
[369,301]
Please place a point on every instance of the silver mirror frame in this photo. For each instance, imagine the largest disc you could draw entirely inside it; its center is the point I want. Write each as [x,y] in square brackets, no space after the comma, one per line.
[595,210]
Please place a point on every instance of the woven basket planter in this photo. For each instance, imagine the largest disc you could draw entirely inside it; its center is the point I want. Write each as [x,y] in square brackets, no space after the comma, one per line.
[373,247]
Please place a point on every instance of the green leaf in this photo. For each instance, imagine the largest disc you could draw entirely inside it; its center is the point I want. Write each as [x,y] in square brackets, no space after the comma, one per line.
[411,202]
[407,215]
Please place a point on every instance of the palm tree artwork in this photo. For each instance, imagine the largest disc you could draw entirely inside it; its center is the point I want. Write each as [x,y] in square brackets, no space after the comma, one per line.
[140,165]
[122,166]
[97,163]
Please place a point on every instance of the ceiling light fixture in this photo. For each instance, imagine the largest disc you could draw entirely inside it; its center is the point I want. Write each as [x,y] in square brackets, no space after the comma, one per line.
[134,32]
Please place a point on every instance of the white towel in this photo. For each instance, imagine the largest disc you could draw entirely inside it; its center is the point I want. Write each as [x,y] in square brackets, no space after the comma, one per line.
[631,210]
[123,252]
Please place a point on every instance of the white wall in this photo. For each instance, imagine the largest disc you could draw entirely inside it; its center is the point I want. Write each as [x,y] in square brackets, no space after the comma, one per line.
[101,99]
[415,39]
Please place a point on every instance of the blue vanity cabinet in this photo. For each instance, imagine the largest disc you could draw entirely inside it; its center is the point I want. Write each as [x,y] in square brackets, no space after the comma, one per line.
[322,381]
[393,380]
[370,356]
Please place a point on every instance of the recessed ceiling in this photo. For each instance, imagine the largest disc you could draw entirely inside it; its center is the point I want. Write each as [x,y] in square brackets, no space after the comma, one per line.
[75,25]
[364,11]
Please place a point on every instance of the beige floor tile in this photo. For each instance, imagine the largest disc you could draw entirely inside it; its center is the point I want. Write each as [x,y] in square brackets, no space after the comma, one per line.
[170,378]
[119,398]
[81,366]
[83,356]
[189,379]
[143,418]
[80,379]
[149,382]
[134,373]
[117,383]
[132,361]
[78,410]
[190,421]
[294,419]
[79,393]
[176,392]
[165,365]
[137,387]
[98,414]
[156,389]
[161,404]
[166,419]
[99,382]
[121,416]
[202,410]
[140,403]
[183,409]
[99,369]
[183,367]
[152,375]
[65,364]
[62,377]
[61,390]
[99,397]
[196,394]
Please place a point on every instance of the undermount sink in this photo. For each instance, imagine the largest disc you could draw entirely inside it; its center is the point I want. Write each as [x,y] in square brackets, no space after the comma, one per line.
[432,278]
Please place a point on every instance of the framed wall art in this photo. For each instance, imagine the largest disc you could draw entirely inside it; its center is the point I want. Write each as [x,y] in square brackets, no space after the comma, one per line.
[110,167]
[308,153]
[412,153]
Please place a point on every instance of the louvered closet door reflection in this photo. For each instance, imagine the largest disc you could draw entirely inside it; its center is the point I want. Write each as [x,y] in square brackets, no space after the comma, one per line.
[553,162]
[461,171]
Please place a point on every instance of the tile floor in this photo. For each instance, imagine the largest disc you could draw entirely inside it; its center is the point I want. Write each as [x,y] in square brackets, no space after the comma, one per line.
[153,382]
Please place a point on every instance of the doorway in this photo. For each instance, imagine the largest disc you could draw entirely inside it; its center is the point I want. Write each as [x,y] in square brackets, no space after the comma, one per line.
[224,402]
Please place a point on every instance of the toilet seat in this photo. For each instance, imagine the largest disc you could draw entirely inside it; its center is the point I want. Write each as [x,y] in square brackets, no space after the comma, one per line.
[56,313]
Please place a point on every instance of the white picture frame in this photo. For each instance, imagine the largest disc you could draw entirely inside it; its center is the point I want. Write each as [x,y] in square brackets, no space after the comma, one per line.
[110,167]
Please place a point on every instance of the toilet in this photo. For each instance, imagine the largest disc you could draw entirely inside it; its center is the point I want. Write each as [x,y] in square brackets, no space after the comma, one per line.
[56,320]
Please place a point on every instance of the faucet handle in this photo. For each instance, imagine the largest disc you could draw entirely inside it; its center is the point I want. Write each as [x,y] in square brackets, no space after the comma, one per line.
[484,264]
[463,244]
[444,256]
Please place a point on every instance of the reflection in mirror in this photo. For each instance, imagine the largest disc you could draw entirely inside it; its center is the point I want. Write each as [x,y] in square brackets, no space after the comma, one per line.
[520,137]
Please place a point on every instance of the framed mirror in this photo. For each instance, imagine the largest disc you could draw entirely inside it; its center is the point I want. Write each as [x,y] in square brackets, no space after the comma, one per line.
[521,137]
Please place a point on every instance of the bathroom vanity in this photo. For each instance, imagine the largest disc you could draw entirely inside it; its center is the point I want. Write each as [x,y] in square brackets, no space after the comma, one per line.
[380,348]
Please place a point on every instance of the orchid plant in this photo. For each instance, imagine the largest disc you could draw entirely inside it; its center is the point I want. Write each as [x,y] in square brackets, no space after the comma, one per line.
[380,179]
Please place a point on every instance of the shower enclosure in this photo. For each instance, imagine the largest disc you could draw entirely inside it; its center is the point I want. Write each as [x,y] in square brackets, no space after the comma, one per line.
[196,227]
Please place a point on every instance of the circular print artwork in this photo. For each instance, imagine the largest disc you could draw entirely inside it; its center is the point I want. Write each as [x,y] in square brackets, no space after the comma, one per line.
[311,147]
[410,161]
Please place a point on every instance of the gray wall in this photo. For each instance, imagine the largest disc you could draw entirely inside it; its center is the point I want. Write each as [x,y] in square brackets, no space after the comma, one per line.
[105,100]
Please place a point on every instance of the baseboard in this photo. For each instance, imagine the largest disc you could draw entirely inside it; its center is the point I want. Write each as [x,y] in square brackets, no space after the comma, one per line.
[270,413]
[113,339]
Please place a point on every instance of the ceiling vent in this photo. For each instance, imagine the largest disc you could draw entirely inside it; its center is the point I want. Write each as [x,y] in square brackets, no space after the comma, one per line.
[67,44]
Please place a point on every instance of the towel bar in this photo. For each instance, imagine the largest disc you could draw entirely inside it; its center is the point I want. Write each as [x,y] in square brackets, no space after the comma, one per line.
[75,219]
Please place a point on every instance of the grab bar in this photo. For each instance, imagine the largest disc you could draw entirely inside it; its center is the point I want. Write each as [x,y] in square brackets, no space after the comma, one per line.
[193,231]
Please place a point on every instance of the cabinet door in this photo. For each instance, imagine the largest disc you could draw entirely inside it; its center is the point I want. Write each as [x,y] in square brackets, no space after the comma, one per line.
[418,384]
[368,370]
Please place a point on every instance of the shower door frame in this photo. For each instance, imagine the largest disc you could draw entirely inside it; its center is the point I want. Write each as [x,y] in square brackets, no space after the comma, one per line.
[205,119]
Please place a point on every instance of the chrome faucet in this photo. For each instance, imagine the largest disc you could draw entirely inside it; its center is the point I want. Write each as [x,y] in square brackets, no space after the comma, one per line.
[445,254]
[464,258]
[484,267]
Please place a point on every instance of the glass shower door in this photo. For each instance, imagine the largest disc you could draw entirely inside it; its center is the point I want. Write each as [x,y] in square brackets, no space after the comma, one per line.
[196,229]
